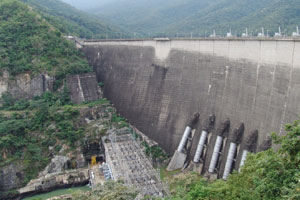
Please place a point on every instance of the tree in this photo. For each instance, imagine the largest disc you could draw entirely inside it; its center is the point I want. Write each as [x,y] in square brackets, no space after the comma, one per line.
[268,175]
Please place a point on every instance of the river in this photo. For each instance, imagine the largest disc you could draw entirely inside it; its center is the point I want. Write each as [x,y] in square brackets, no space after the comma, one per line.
[57,193]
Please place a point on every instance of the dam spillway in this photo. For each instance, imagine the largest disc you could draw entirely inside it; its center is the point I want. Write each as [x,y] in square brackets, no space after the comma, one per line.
[158,84]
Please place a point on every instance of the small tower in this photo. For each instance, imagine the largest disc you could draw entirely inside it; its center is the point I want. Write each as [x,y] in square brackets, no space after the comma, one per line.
[279,34]
[262,34]
[296,34]
[245,34]
[229,34]
[213,34]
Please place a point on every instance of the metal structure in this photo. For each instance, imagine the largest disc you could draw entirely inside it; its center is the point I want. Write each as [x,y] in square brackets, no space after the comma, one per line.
[213,34]
[296,34]
[229,34]
[262,34]
[235,140]
[250,146]
[279,34]
[245,34]
[203,139]
[200,146]
[218,145]
[128,162]
[184,138]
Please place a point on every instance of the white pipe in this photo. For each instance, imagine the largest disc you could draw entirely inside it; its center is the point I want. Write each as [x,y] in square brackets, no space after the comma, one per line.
[184,138]
[279,30]
[244,156]
[229,161]
[200,146]
[215,155]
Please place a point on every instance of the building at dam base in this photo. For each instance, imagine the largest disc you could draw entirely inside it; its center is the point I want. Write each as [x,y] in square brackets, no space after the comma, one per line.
[158,84]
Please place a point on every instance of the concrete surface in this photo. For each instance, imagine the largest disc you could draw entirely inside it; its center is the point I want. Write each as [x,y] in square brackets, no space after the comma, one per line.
[177,161]
[83,87]
[157,85]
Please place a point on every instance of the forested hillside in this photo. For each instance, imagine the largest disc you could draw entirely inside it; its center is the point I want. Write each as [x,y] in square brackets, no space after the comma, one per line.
[32,131]
[71,21]
[86,4]
[181,17]
[29,43]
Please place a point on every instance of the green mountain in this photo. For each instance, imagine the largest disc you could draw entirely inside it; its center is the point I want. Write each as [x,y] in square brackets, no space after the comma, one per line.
[32,131]
[71,21]
[181,17]
[86,4]
[28,43]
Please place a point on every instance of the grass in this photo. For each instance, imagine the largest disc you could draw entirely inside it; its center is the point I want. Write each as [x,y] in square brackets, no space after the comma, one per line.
[164,174]
[99,102]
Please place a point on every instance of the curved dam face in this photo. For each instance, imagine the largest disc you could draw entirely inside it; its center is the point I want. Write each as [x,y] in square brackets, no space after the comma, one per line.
[158,84]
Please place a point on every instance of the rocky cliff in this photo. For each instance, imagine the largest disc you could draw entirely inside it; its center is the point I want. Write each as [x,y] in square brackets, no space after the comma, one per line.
[68,167]
[25,85]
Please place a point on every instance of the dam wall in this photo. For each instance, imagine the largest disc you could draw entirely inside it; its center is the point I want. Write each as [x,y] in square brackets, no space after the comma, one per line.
[158,84]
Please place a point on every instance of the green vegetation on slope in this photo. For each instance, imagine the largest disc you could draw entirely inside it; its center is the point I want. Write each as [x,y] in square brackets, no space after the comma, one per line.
[32,131]
[26,135]
[30,44]
[87,4]
[268,175]
[181,17]
[71,21]
[108,191]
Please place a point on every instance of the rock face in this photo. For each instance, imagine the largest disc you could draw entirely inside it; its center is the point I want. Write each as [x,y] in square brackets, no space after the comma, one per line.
[83,87]
[11,177]
[57,165]
[68,168]
[56,180]
[25,85]
[56,175]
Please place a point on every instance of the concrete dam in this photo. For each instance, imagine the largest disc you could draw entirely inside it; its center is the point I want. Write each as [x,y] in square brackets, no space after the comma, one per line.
[248,85]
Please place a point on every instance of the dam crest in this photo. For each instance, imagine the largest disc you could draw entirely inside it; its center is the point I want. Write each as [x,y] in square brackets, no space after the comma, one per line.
[158,84]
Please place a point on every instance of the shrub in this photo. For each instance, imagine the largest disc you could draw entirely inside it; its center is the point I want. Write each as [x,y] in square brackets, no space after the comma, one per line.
[268,175]
[101,84]
[7,100]
[108,191]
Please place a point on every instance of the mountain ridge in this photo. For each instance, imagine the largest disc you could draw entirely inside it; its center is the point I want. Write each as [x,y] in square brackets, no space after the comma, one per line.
[71,21]
[181,17]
